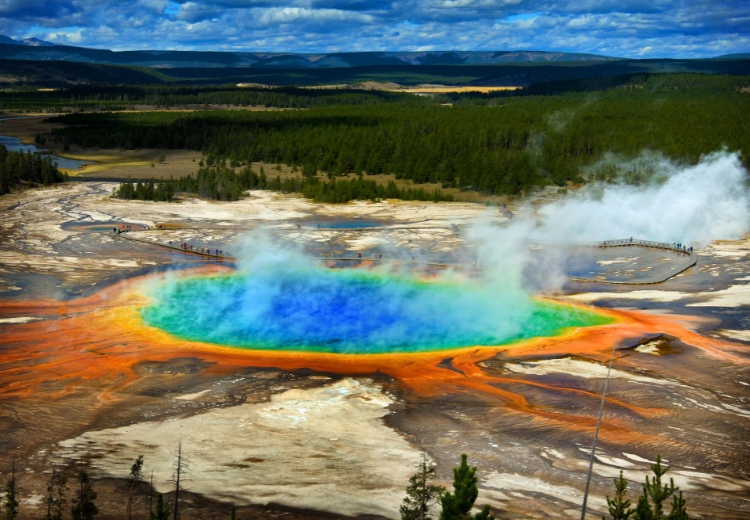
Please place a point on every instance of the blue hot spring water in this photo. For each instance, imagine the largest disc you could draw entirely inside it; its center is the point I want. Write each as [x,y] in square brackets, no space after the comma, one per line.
[351,311]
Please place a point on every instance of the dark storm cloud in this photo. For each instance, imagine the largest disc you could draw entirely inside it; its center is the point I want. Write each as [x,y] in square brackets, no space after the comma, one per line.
[28,9]
[638,28]
[32,10]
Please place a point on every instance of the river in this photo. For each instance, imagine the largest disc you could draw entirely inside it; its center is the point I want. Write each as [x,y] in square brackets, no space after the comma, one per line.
[14,144]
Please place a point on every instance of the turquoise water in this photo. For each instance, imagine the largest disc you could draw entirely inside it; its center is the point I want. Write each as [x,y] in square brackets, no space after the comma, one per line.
[351,312]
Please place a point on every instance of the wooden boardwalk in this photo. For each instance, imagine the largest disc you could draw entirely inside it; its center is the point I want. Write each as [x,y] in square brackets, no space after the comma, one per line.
[128,235]
[691,257]
[690,260]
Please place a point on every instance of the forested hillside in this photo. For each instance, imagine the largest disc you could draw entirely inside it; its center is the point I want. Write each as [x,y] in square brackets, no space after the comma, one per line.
[501,145]
[293,72]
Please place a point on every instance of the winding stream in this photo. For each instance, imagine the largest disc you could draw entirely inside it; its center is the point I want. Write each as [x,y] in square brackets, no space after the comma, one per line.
[14,144]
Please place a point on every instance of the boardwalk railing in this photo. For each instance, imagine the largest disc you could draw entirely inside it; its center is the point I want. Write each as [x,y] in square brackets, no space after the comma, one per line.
[625,242]
[645,243]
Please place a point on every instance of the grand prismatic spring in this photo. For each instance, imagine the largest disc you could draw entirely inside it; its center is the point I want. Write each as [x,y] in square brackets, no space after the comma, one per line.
[290,379]
[352,312]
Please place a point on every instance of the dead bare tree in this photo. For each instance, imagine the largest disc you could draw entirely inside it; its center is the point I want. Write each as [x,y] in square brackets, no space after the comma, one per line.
[151,495]
[181,467]
[50,490]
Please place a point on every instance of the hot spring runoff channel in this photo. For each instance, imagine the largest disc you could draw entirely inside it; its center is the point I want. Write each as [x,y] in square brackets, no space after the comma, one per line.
[352,312]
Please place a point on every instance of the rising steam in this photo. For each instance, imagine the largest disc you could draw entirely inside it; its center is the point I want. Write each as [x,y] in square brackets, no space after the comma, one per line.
[691,205]
[687,205]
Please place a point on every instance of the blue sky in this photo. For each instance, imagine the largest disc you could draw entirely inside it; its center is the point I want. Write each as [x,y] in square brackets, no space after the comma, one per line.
[629,28]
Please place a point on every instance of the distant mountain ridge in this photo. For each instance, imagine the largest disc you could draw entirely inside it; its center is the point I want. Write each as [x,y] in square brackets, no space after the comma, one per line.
[734,56]
[39,63]
[29,42]
[38,50]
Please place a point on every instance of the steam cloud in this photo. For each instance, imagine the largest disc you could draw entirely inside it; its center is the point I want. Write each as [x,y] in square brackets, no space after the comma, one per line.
[688,205]
[693,205]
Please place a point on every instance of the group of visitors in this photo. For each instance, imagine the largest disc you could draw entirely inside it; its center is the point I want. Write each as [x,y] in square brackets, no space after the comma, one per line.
[682,247]
[185,246]
[124,228]
[378,256]
[674,245]
[121,229]
[505,211]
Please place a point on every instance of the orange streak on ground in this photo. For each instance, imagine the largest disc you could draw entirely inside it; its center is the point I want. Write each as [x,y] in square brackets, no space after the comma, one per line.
[98,341]
[476,373]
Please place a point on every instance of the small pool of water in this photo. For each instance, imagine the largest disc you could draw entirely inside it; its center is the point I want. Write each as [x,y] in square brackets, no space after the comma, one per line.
[14,144]
[102,226]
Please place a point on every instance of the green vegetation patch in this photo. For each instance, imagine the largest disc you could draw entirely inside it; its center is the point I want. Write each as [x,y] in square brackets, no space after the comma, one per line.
[18,169]
[492,144]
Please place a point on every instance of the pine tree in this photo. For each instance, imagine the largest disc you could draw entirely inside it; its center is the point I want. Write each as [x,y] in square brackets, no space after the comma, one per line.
[457,505]
[643,510]
[11,495]
[484,514]
[679,508]
[161,512]
[84,507]
[136,474]
[650,504]
[420,494]
[619,507]
[656,492]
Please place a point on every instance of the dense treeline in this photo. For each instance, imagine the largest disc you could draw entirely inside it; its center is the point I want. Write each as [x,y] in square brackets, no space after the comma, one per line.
[17,168]
[525,142]
[222,183]
[695,84]
[337,191]
[218,183]
[123,97]
[150,190]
